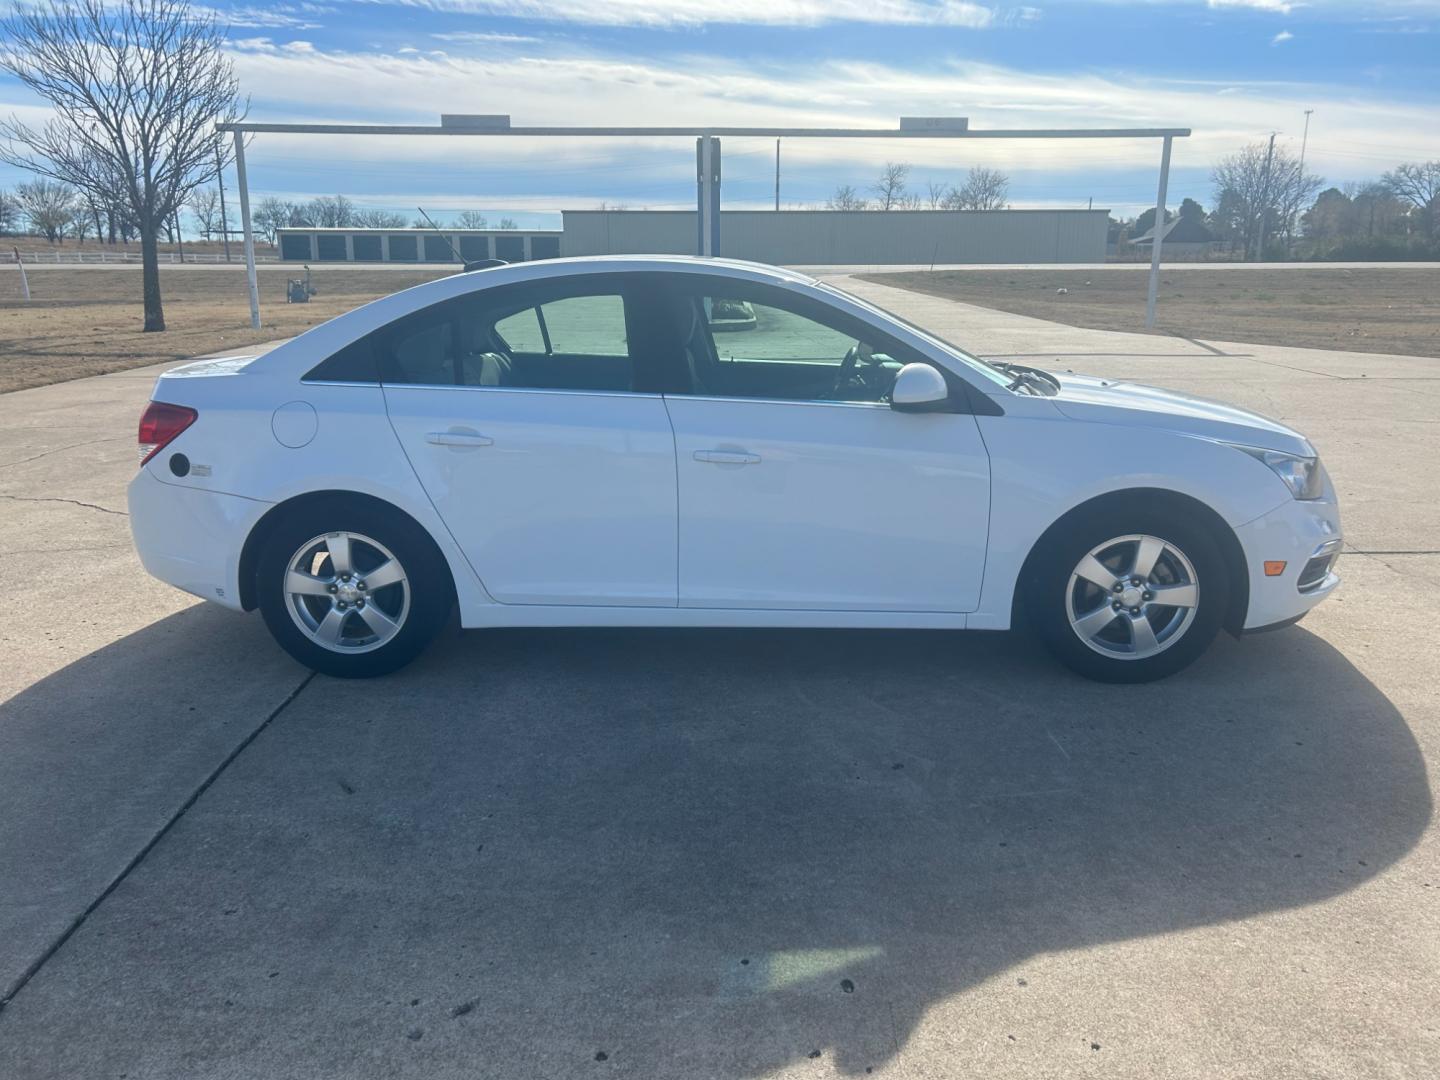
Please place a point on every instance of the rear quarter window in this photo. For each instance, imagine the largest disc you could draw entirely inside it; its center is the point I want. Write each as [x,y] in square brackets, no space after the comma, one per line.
[356,362]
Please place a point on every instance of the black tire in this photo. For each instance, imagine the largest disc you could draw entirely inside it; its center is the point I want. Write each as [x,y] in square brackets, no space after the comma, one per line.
[427,578]
[1050,591]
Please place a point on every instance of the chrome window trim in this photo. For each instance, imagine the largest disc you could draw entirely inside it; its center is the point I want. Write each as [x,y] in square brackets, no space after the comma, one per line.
[784,401]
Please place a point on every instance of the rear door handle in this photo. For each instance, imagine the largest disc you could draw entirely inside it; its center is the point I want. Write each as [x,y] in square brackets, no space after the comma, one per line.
[458,438]
[727,457]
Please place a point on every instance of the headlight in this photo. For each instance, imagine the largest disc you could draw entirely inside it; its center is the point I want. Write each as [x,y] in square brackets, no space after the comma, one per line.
[1304,476]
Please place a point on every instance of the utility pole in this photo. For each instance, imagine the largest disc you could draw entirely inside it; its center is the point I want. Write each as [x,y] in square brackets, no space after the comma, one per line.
[777,174]
[1304,139]
[1265,196]
[224,221]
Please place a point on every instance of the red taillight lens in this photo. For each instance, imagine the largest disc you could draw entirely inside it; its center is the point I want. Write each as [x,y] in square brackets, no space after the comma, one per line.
[159,424]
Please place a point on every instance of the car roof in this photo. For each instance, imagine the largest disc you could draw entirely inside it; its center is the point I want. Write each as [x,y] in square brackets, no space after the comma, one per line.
[599,264]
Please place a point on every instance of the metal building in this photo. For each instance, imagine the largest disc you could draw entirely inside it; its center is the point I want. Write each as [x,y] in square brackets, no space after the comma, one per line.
[838,237]
[416,245]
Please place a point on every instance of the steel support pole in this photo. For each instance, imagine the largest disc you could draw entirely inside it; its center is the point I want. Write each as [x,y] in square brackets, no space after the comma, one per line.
[244,186]
[707,195]
[1154,286]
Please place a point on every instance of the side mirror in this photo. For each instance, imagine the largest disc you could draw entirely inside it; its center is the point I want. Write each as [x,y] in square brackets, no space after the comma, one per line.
[919,388]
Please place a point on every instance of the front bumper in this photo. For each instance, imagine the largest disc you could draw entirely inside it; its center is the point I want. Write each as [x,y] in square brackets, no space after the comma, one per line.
[1306,536]
[191,538]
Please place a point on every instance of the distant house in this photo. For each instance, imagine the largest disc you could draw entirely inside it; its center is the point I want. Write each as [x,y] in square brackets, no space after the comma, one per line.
[1181,236]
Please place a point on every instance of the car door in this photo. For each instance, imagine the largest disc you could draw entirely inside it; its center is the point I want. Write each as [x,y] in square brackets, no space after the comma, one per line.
[525,413]
[800,488]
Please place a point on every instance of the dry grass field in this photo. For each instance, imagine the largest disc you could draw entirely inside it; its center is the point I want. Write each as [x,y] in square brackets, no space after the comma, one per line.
[1387,310]
[87,321]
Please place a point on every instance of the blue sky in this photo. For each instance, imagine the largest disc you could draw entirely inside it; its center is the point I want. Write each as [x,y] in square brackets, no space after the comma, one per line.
[1233,70]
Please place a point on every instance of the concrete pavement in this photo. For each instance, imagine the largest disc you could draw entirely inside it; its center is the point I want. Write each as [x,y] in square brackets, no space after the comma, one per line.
[723,853]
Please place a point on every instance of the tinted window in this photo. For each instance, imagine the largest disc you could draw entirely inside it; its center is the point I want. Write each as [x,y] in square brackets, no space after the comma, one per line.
[571,336]
[590,325]
[521,331]
[752,342]
[354,363]
[366,248]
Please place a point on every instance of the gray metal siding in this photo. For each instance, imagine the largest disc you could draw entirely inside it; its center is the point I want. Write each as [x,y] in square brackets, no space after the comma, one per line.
[820,237]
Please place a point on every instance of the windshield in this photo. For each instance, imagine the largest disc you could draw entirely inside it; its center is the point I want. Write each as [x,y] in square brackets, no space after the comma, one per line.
[981,367]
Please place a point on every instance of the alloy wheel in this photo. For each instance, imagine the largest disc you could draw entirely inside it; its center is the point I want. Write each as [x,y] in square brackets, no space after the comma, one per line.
[1132,597]
[347,592]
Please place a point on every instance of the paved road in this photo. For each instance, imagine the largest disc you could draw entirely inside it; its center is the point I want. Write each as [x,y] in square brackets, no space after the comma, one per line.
[714,853]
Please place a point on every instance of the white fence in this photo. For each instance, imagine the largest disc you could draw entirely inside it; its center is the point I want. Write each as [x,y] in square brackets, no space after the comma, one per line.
[60,258]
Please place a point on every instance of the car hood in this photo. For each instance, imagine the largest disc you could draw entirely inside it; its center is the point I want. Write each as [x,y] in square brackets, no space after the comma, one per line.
[1108,401]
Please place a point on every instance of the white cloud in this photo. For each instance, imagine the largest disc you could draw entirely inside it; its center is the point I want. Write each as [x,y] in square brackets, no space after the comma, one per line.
[677,13]
[1368,134]
[1282,37]
[278,16]
[1282,7]
[475,37]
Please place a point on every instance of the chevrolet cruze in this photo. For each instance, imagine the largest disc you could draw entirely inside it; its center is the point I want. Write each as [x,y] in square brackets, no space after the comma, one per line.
[665,441]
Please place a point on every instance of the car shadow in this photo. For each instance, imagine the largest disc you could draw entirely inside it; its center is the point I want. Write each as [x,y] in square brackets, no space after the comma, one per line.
[709,852]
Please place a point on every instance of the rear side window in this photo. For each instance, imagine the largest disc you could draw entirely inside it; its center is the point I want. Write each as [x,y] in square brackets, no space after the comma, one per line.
[567,335]
[354,363]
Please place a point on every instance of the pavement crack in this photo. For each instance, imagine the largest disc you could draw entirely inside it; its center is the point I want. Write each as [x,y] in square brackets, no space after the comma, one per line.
[7,995]
[72,502]
[60,450]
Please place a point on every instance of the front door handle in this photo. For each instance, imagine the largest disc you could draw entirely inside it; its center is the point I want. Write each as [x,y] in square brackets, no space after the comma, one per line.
[458,437]
[727,457]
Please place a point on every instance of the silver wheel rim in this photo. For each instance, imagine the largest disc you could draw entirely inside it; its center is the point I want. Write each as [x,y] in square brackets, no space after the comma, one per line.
[347,592]
[1132,597]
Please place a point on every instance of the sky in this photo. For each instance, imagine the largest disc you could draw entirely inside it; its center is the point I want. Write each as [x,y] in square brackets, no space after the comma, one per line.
[1233,71]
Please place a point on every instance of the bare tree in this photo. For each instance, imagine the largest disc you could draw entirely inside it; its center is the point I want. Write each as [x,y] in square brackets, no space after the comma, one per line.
[846,198]
[508,223]
[1418,183]
[472,219]
[889,189]
[10,213]
[331,212]
[48,205]
[271,213]
[380,219]
[1259,193]
[935,192]
[984,189]
[136,87]
[205,209]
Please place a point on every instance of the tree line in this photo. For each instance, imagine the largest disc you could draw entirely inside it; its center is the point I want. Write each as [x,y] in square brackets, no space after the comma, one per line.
[1267,205]
[59,212]
[982,189]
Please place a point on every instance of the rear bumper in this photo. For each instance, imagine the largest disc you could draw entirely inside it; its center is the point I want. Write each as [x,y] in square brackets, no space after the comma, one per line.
[1294,534]
[191,538]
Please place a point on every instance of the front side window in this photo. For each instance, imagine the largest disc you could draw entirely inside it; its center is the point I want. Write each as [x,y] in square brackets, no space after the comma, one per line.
[566,337]
[740,343]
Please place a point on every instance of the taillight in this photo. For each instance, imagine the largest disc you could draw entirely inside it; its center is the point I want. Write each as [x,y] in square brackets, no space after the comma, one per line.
[159,424]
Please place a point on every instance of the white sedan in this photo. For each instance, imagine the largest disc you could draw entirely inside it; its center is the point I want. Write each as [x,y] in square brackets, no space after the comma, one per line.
[664,441]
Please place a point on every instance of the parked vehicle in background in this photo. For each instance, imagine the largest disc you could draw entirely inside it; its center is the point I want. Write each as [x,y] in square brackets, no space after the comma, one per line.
[569,443]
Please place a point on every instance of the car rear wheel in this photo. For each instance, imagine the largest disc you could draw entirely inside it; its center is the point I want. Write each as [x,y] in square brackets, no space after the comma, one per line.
[1130,597]
[350,590]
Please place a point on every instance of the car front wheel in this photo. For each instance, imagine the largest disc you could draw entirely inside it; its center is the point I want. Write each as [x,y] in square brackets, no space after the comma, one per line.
[350,590]
[1130,597]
